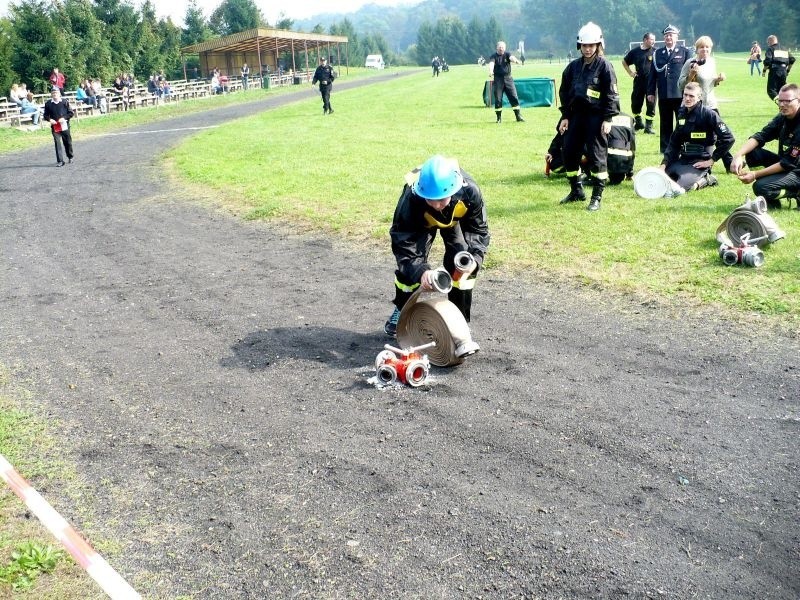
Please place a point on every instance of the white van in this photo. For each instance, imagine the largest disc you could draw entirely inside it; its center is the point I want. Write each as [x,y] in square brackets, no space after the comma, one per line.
[374,61]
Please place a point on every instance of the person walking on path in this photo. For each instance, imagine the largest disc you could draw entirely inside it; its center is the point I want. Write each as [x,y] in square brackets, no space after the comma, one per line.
[438,196]
[755,59]
[641,59]
[58,113]
[500,70]
[778,62]
[666,71]
[325,75]
[589,103]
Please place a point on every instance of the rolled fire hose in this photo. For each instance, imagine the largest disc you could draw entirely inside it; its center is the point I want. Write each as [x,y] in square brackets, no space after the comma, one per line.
[429,316]
[749,219]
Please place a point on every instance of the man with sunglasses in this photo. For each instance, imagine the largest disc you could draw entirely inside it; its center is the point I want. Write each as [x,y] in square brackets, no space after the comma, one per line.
[780,177]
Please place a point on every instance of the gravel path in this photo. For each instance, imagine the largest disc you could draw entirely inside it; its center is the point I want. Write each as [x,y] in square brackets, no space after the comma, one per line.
[211,376]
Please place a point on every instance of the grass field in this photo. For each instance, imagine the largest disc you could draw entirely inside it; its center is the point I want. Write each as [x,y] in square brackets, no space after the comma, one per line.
[343,173]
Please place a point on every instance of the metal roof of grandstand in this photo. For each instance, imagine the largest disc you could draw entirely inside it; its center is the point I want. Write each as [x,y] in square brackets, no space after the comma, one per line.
[252,40]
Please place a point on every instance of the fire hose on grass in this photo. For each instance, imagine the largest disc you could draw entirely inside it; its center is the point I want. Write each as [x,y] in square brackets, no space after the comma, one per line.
[745,231]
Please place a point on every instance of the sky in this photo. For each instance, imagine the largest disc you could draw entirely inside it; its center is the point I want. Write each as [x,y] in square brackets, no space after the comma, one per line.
[271,9]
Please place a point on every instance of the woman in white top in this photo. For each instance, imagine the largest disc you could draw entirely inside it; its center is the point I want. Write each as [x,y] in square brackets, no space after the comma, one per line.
[703,69]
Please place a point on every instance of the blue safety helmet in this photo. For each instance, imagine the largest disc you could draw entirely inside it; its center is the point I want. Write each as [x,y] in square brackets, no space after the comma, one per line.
[439,178]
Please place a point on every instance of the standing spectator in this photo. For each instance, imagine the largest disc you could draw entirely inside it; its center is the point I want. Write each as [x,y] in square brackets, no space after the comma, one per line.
[245,76]
[589,102]
[436,65]
[324,74]
[641,59]
[700,139]
[666,70]
[500,68]
[29,107]
[755,58]
[781,176]
[57,79]
[438,196]
[58,113]
[778,62]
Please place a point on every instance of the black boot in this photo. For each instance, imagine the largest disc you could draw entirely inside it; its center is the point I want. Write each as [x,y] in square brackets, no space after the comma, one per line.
[576,193]
[597,195]
[638,125]
[499,115]
[519,116]
[648,127]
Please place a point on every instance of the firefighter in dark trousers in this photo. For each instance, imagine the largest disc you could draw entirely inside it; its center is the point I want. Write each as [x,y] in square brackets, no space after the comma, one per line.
[57,112]
[664,75]
[700,139]
[621,151]
[778,62]
[780,177]
[500,70]
[641,59]
[325,75]
[438,196]
[589,102]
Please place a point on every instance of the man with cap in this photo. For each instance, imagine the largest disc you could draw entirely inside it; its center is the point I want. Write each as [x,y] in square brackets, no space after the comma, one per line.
[438,196]
[664,75]
[325,75]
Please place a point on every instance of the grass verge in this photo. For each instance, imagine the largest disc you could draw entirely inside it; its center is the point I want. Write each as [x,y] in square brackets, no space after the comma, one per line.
[342,173]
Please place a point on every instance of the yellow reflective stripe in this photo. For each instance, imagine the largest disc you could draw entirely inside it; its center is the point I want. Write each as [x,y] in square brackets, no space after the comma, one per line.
[602,176]
[593,93]
[622,121]
[620,152]
[696,135]
[780,54]
[572,173]
[405,288]
[459,210]
[464,284]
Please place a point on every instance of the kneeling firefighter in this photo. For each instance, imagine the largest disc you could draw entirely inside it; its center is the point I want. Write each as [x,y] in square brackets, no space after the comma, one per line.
[589,102]
[438,196]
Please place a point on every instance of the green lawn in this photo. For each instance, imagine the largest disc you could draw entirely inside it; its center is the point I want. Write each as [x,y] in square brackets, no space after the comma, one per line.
[343,173]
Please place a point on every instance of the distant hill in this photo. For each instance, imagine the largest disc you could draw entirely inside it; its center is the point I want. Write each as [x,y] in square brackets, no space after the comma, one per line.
[399,25]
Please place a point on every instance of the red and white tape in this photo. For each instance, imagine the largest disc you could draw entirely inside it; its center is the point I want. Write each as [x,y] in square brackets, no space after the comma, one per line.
[95,565]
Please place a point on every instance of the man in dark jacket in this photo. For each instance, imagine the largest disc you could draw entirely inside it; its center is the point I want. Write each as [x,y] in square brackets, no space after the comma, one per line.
[438,196]
[325,75]
[57,112]
[778,62]
[665,72]
[700,139]
[500,69]
[780,179]
[641,59]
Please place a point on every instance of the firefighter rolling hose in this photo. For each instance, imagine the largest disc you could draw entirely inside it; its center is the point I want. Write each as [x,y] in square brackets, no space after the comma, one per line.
[435,304]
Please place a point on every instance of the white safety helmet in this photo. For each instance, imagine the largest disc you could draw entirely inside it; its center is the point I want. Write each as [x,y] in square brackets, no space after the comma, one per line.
[590,34]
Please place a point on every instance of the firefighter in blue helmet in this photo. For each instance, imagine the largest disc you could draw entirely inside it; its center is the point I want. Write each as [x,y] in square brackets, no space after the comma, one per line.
[437,197]
[589,103]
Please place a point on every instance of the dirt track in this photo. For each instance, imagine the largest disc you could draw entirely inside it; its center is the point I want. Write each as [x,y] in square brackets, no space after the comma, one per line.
[212,376]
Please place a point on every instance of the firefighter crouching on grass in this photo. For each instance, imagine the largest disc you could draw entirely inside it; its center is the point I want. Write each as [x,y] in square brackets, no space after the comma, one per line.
[438,196]
[700,139]
[589,102]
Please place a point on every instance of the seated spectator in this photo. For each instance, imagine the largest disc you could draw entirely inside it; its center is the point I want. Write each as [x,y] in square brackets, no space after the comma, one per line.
[700,139]
[223,83]
[152,86]
[164,89]
[216,88]
[120,90]
[29,107]
[14,95]
[82,95]
[100,95]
